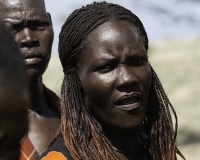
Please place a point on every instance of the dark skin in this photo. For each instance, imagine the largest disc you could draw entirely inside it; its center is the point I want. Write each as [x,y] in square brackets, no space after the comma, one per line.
[32,29]
[116,77]
[13,118]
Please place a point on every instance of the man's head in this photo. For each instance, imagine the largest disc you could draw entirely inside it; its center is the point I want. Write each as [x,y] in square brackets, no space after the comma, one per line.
[31,27]
[14,96]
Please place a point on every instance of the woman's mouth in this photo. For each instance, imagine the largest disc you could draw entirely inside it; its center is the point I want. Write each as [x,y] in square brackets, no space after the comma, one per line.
[128,102]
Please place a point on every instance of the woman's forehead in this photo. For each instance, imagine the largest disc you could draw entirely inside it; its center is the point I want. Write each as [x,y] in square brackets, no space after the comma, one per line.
[111,33]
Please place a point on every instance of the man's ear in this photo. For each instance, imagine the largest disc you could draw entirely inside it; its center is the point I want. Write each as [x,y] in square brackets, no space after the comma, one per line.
[49,16]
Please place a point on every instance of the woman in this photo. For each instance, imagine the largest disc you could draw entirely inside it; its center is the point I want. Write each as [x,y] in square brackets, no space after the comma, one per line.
[113,104]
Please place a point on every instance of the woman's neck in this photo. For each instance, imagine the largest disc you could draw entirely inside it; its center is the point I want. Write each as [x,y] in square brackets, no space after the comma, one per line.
[123,141]
[128,144]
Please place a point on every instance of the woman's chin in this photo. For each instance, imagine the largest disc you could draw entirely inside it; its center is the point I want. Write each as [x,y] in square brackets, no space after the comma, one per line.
[128,127]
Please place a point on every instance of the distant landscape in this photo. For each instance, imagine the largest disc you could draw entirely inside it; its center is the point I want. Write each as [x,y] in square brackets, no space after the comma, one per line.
[177,63]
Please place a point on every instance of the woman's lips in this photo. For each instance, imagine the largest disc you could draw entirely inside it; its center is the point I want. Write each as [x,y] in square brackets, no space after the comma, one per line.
[129,107]
[129,102]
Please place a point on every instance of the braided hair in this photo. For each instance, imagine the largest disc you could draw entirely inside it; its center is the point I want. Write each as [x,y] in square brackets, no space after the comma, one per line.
[82,134]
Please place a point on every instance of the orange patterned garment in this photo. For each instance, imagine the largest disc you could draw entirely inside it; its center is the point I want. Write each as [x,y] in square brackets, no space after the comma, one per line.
[53,155]
[28,151]
[57,151]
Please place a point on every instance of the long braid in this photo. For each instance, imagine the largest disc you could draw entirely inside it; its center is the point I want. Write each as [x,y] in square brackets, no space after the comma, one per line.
[77,131]
[162,133]
[86,128]
[82,134]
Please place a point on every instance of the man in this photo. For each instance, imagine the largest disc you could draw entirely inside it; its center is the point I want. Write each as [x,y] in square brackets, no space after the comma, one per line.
[14,97]
[32,28]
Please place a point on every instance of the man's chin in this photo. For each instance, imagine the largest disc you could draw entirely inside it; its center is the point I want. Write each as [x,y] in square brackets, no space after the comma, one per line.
[34,74]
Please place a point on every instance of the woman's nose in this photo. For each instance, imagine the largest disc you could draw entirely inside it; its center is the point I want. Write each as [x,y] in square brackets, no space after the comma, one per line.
[126,76]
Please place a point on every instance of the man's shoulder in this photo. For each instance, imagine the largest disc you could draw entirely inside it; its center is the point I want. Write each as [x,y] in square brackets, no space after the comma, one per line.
[52,99]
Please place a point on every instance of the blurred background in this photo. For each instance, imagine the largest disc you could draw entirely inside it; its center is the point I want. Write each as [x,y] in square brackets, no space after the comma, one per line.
[173,28]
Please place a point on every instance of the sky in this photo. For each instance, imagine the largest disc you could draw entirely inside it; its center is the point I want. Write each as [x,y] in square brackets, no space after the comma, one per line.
[166,19]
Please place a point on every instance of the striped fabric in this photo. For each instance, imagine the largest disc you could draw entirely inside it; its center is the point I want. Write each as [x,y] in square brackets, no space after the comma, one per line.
[28,151]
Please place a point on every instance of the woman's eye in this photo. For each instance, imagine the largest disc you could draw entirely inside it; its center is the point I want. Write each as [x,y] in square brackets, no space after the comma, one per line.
[106,68]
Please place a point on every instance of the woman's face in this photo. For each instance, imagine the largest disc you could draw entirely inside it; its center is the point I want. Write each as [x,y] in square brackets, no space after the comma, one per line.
[115,75]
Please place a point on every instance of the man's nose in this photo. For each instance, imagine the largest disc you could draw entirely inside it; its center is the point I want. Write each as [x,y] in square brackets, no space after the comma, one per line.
[28,38]
[126,77]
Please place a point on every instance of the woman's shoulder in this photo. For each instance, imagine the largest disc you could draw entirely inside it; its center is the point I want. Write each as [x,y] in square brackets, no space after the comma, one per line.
[57,151]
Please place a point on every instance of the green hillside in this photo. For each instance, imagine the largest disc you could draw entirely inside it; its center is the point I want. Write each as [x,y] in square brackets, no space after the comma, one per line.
[177,65]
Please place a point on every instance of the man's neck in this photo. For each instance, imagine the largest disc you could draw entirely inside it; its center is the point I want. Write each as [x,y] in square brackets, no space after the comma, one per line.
[38,101]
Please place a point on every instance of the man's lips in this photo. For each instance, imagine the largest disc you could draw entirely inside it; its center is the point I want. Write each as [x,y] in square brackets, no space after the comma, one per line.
[32,57]
[31,61]
[128,102]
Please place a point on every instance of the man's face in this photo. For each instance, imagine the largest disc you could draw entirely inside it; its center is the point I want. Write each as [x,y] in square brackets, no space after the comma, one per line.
[32,29]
